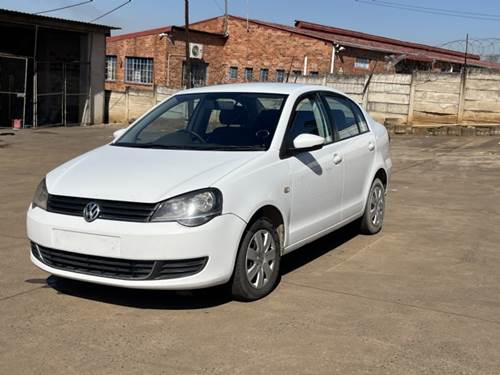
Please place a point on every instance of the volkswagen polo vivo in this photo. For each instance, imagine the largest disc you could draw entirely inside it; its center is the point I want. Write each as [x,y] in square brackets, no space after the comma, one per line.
[213,186]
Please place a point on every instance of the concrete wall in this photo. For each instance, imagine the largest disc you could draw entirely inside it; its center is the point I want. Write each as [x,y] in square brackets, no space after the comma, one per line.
[422,97]
[126,106]
[383,95]
[481,99]
[437,97]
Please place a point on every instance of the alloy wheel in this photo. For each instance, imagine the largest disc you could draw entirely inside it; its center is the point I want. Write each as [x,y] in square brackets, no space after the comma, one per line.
[377,203]
[260,258]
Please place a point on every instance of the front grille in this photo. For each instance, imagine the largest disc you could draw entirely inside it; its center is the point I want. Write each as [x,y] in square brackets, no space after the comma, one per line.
[110,210]
[127,269]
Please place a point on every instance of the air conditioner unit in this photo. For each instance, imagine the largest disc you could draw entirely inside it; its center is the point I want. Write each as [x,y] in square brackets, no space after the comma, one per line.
[195,50]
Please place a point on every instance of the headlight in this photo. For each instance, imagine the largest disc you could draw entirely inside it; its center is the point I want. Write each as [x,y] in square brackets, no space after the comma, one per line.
[190,209]
[41,196]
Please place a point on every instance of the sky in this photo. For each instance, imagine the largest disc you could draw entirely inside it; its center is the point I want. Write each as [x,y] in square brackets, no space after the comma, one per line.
[357,15]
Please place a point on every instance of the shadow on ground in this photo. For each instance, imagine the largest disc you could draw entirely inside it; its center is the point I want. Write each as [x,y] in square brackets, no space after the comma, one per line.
[193,299]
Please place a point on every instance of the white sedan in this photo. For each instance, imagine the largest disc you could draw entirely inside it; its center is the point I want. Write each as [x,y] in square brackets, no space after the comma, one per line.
[213,186]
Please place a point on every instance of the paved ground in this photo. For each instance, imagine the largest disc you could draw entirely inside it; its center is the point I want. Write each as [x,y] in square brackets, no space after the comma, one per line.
[422,297]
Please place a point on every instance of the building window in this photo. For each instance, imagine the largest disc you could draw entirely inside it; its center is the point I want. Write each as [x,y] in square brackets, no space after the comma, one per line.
[139,70]
[297,73]
[233,72]
[362,63]
[280,75]
[264,75]
[313,74]
[110,68]
[248,74]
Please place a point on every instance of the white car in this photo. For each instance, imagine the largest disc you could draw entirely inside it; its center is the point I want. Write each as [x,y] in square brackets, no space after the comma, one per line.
[213,186]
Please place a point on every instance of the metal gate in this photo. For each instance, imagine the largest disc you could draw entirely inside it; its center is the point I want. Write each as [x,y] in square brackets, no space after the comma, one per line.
[13,74]
[61,91]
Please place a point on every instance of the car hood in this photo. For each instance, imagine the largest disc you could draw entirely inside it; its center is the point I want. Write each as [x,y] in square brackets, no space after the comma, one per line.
[142,175]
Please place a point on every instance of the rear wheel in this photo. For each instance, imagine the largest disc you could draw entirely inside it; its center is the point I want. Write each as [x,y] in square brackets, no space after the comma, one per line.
[373,218]
[257,268]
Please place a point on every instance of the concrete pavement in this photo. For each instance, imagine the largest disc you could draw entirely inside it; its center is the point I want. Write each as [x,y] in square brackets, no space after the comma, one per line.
[421,297]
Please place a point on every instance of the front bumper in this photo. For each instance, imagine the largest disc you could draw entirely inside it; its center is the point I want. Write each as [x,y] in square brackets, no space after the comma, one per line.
[217,240]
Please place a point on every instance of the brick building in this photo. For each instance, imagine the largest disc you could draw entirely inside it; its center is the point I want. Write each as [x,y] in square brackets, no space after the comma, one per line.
[250,50]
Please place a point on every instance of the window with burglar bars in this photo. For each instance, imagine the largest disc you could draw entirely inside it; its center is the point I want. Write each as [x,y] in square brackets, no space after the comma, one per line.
[362,63]
[264,75]
[233,72]
[280,75]
[139,70]
[249,74]
[110,68]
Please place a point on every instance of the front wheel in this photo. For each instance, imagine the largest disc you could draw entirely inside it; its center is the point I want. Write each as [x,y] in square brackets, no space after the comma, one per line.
[257,268]
[373,218]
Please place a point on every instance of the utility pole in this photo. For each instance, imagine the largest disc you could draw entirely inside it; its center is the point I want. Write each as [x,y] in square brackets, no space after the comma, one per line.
[187,65]
[466,50]
[225,18]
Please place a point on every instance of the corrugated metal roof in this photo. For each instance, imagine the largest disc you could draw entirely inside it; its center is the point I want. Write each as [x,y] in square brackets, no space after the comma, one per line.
[44,19]
[376,38]
[158,30]
[354,39]
[349,38]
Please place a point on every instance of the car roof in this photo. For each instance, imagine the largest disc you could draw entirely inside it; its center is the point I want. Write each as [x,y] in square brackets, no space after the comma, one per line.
[260,87]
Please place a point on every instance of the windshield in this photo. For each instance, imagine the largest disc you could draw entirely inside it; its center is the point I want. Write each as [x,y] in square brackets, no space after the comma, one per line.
[209,121]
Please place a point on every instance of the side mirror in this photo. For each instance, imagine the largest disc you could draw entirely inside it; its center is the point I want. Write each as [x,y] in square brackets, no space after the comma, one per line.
[118,133]
[308,142]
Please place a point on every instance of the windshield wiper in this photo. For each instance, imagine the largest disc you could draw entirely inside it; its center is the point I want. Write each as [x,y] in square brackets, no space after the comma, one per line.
[236,148]
[151,145]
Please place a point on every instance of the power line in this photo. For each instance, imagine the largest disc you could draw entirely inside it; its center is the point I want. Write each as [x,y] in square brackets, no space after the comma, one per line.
[65,7]
[414,8]
[458,12]
[218,5]
[111,11]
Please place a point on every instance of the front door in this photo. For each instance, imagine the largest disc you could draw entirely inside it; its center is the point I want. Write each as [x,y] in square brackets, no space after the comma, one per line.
[316,181]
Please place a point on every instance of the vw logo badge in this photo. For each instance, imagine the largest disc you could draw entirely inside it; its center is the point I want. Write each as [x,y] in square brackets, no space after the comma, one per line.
[91,211]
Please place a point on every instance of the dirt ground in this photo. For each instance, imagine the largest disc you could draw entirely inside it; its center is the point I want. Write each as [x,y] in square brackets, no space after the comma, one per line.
[421,297]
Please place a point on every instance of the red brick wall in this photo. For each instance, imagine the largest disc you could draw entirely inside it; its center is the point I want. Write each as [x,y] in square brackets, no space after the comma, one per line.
[168,57]
[258,47]
[143,46]
[271,48]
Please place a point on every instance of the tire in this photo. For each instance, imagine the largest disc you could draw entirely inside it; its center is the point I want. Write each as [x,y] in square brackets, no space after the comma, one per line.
[257,267]
[373,217]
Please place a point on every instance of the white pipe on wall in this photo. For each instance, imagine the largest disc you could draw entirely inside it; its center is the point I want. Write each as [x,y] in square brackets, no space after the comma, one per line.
[305,65]
[332,65]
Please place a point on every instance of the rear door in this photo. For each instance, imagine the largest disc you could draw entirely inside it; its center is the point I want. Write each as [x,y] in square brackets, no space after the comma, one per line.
[316,181]
[356,148]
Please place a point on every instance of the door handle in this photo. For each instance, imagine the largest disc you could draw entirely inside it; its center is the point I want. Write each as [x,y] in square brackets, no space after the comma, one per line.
[337,159]
[371,146]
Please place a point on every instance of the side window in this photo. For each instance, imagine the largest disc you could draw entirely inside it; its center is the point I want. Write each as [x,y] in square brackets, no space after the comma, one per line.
[342,116]
[363,126]
[308,118]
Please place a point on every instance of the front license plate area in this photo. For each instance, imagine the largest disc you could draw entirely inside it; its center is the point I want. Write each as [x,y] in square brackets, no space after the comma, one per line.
[86,243]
